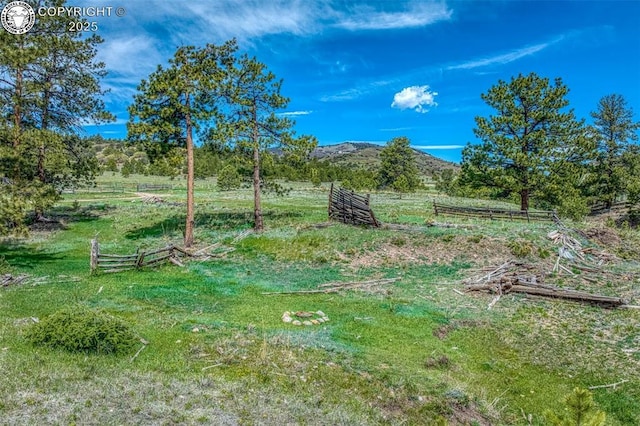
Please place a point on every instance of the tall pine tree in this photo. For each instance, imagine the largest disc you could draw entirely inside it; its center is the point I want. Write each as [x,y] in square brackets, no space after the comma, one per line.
[49,87]
[522,145]
[251,122]
[614,172]
[176,101]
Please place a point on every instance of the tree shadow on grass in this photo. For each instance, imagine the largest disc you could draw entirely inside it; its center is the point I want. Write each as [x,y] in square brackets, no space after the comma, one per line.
[228,220]
[22,256]
[58,217]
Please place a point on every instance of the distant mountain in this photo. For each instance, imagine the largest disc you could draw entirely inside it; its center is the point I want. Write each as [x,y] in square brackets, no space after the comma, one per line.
[368,155]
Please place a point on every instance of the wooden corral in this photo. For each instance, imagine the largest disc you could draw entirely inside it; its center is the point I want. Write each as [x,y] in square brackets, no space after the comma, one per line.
[348,207]
[495,213]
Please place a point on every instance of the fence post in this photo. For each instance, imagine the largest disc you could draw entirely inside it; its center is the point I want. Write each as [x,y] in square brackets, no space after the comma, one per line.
[330,199]
[95,253]
[435,208]
[140,258]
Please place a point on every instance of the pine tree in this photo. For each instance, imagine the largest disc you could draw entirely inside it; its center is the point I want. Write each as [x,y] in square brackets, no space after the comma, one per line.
[580,411]
[251,123]
[49,86]
[614,172]
[522,145]
[398,162]
[229,178]
[177,100]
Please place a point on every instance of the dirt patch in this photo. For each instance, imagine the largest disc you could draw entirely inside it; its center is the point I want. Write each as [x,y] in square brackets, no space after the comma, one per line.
[468,414]
[486,251]
[603,236]
[443,331]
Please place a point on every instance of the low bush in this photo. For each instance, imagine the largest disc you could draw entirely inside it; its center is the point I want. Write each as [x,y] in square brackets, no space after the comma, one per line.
[520,248]
[79,329]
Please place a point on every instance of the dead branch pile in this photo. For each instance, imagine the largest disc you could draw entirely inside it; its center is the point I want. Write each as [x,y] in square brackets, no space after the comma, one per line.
[7,279]
[513,277]
[154,199]
[570,250]
[370,286]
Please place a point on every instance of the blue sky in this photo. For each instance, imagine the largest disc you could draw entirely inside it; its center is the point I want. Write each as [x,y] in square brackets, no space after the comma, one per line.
[369,71]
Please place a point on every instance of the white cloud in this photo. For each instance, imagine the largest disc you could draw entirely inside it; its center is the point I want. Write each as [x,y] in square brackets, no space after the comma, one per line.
[505,58]
[416,98]
[246,19]
[294,113]
[419,14]
[121,56]
[396,129]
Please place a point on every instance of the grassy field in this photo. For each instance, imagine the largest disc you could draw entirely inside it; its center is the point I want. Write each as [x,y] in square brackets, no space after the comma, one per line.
[415,352]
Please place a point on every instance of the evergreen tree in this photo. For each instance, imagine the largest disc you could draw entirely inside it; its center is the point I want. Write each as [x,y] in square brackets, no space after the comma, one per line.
[614,174]
[398,163]
[229,178]
[177,100]
[580,411]
[523,144]
[49,86]
[251,123]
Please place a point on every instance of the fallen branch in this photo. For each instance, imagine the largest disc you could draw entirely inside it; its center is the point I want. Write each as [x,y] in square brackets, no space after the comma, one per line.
[352,284]
[144,345]
[612,385]
[270,293]
[176,262]
[8,279]
[548,291]
[335,287]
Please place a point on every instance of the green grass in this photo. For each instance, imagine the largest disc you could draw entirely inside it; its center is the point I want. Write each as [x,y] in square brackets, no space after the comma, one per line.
[217,351]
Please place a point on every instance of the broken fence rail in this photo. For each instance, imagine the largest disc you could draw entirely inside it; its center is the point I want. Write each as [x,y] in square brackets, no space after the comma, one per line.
[495,213]
[118,263]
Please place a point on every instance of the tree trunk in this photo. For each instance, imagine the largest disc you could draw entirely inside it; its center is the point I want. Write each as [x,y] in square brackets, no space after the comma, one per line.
[17,112]
[524,199]
[188,231]
[258,224]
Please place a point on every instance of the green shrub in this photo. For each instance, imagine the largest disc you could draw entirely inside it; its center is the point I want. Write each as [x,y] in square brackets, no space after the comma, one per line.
[580,410]
[520,248]
[79,329]
[229,178]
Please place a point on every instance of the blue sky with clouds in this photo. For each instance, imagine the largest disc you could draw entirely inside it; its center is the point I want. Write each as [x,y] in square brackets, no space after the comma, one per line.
[373,70]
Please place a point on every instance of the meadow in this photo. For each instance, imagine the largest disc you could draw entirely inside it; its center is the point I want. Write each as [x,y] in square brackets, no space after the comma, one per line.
[214,349]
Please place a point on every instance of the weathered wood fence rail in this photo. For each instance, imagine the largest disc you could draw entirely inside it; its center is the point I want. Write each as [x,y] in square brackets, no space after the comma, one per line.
[118,263]
[619,206]
[495,213]
[348,207]
[153,187]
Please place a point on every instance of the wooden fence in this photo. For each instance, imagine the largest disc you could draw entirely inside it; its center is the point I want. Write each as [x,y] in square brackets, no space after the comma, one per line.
[103,187]
[118,263]
[495,213]
[153,187]
[618,206]
[348,207]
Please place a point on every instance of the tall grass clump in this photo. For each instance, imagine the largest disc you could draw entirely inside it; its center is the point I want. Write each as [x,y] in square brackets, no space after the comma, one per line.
[81,330]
